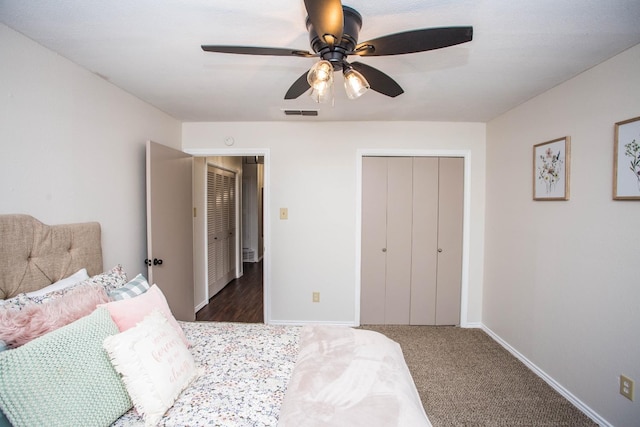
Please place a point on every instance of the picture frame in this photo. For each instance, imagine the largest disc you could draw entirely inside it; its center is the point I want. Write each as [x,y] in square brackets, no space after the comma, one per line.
[551,167]
[626,160]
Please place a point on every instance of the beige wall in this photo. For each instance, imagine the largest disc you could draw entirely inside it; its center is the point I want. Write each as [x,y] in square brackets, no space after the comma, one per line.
[561,278]
[72,147]
[312,170]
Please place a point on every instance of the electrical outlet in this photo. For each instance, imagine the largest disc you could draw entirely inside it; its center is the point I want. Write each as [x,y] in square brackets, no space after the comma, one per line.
[284,213]
[626,387]
[316,297]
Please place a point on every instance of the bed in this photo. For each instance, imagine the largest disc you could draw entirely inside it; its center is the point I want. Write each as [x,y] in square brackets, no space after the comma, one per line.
[105,350]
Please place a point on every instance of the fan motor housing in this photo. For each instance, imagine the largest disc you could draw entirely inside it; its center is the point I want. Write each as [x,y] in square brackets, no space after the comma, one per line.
[336,54]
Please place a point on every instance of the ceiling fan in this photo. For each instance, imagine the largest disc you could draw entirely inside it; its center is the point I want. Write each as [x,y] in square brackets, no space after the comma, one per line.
[333,34]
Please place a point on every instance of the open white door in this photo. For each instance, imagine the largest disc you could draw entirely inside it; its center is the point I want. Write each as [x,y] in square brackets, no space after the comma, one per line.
[170,227]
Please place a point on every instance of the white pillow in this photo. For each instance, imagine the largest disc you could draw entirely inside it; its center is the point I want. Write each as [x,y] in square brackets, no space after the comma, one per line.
[154,363]
[76,277]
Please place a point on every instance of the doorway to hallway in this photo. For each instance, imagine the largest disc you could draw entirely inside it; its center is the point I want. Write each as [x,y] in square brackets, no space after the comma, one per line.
[240,301]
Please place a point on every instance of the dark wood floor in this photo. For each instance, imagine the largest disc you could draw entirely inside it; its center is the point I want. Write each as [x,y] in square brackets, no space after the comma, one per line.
[240,301]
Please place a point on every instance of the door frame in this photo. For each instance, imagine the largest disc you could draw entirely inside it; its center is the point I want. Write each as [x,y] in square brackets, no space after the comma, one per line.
[265,152]
[466,155]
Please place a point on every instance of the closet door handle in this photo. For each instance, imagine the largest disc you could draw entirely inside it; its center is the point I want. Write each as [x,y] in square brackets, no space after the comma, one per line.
[384,249]
[439,249]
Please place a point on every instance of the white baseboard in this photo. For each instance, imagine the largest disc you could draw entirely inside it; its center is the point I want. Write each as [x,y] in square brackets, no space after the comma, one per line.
[200,306]
[471,325]
[553,383]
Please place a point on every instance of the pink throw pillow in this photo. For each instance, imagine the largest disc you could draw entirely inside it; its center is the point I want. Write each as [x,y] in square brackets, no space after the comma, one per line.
[18,327]
[127,313]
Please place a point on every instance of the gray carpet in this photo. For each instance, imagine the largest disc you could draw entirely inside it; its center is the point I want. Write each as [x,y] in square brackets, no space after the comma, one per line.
[465,378]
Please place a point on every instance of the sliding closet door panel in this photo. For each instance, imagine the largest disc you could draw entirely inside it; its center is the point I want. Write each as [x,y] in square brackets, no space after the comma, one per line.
[449,277]
[424,255]
[374,240]
[399,218]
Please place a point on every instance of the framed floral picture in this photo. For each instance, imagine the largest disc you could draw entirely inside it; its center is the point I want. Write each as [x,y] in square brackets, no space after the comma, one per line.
[626,160]
[551,169]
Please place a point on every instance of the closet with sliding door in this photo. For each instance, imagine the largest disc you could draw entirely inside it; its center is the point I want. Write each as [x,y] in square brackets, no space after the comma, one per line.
[412,223]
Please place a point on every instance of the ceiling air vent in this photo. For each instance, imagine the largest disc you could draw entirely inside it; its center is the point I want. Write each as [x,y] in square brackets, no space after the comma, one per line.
[301,112]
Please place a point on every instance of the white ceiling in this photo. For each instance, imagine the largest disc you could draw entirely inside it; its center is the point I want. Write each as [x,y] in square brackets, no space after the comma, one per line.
[151,49]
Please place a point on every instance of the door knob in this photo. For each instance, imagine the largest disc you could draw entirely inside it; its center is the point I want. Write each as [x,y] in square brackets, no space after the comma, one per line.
[384,249]
[439,249]
[155,261]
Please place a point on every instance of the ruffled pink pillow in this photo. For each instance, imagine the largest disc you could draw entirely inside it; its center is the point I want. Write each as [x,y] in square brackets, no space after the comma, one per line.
[17,327]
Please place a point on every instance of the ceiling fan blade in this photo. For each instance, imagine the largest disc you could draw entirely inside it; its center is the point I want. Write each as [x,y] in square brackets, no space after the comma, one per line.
[378,81]
[251,50]
[327,19]
[298,87]
[415,41]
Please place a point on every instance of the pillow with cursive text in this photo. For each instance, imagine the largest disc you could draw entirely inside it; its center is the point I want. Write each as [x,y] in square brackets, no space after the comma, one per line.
[155,365]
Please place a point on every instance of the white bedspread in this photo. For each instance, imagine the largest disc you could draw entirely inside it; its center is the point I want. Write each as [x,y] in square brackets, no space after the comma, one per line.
[348,377]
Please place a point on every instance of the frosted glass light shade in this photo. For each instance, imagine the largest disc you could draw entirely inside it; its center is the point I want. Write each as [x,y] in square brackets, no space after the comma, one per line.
[320,76]
[322,96]
[354,83]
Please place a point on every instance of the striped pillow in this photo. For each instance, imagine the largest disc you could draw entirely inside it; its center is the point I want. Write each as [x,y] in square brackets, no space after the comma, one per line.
[135,287]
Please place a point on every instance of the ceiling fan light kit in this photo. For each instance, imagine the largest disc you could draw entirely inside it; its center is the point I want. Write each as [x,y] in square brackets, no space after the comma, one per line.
[333,35]
[320,78]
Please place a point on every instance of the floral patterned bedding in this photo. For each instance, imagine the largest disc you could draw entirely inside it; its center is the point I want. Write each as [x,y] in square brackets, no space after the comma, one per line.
[247,369]
[316,376]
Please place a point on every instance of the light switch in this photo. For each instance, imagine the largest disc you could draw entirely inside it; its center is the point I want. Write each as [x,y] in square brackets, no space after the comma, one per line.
[284,213]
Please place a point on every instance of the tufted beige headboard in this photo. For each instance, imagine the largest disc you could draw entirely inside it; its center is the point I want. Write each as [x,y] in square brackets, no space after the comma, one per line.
[34,255]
